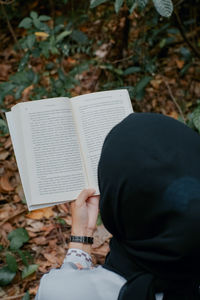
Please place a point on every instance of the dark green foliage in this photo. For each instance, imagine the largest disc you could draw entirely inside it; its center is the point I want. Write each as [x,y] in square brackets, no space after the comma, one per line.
[3,127]
[163,7]
[194,118]
[52,43]
[6,276]
[11,262]
[17,238]
[28,270]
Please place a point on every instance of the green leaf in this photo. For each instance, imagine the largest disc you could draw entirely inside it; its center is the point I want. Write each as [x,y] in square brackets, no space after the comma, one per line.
[140,87]
[99,220]
[131,5]
[6,276]
[132,70]
[23,62]
[25,23]
[19,91]
[23,257]
[118,5]
[62,35]
[26,296]
[44,18]
[79,37]
[39,25]
[3,127]
[196,118]
[34,15]
[164,7]
[11,262]
[17,238]
[28,270]
[94,3]
[142,3]
[30,40]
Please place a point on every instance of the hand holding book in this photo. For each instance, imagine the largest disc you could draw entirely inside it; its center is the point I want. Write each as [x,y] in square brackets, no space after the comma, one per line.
[84,212]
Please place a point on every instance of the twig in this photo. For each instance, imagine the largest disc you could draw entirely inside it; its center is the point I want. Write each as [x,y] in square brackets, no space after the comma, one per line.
[122,59]
[13,297]
[174,100]
[10,26]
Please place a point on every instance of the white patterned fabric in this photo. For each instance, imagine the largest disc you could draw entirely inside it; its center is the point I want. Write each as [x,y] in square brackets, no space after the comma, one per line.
[78,256]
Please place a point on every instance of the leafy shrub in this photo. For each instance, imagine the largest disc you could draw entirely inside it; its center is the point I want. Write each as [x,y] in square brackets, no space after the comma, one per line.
[163,7]
[17,238]
[51,43]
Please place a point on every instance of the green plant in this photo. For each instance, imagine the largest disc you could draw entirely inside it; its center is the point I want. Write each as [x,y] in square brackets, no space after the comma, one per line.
[17,238]
[49,44]
[163,7]
[194,118]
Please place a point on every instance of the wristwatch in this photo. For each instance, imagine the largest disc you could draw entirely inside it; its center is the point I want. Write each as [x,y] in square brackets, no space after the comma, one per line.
[81,239]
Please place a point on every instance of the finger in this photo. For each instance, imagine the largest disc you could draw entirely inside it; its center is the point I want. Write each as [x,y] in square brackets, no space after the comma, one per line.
[84,195]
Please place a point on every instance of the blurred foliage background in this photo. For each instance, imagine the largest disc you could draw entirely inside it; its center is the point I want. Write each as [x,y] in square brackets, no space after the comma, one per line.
[122,43]
[67,48]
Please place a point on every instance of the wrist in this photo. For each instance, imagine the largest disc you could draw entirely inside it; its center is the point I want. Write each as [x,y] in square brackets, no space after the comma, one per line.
[82,232]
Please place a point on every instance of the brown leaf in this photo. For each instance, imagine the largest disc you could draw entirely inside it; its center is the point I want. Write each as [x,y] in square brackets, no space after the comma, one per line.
[8,143]
[26,92]
[5,185]
[100,236]
[40,240]
[173,114]
[102,250]
[33,290]
[4,154]
[4,71]
[38,214]
[180,63]
[43,265]
[156,83]
[34,226]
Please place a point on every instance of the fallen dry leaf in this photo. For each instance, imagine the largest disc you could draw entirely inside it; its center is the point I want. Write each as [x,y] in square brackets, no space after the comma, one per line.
[5,185]
[38,214]
[156,83]
[101,235]
[102,250]
[40,240]
[173,114]
[4,154]
[8,143]
[180,63]
[34,226]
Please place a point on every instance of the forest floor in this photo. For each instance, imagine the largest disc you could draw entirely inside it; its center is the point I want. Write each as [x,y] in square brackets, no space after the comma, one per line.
[49,229]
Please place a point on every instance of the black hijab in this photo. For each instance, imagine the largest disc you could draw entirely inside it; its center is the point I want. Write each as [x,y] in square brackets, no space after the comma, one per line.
[149,180]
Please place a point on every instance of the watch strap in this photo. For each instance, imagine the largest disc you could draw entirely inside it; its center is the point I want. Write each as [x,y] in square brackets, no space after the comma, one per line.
[81,239]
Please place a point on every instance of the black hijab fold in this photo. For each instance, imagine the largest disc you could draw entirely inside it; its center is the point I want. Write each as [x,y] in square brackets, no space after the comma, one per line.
[149,180]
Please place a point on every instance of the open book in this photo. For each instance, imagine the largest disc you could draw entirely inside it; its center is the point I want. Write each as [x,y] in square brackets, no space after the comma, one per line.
[57,143]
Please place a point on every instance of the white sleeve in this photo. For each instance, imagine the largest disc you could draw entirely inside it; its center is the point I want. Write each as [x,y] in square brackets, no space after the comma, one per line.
[78,256]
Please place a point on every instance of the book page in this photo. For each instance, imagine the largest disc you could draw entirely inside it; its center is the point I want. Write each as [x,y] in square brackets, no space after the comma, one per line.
[52,151]
[17,141]
[95,115]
